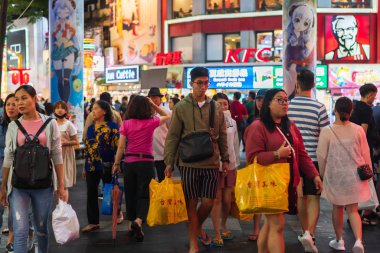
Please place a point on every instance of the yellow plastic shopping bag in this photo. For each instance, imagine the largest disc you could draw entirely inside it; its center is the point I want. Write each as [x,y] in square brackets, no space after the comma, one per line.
[263,189]
[234,210]
[167,203]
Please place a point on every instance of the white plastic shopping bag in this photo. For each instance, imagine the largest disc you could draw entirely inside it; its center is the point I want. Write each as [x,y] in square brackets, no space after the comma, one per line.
[65,223]
[373,202]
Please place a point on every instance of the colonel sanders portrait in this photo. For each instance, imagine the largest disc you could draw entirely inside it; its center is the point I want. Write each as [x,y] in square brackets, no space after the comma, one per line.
[345,29]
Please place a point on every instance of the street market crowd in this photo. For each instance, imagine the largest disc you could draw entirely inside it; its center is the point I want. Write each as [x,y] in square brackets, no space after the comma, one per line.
[143,138]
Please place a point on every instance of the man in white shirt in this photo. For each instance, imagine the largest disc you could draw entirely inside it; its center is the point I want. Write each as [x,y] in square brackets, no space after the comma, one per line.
[159,135]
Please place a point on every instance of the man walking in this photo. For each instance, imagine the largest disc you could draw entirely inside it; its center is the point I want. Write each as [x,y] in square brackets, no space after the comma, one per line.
[159,135]
[200,176]
[310,117]
[362,115]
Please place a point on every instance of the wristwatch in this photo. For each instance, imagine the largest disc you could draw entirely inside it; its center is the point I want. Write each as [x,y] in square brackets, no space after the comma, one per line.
[276,155]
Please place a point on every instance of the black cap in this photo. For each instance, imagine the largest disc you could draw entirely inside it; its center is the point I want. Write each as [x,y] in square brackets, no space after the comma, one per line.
[154,91]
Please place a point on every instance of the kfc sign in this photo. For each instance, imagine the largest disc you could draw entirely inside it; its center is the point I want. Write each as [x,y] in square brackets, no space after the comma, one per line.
[170,58]
[260,55]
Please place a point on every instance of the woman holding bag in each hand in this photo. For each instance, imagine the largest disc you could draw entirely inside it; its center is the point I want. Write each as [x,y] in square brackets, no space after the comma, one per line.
[139,168]
[269,142]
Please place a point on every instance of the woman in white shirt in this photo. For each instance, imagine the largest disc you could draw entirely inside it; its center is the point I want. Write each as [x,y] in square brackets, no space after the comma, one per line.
[342,148]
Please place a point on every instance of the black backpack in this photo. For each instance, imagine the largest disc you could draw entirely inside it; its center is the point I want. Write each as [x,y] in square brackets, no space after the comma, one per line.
[32,168]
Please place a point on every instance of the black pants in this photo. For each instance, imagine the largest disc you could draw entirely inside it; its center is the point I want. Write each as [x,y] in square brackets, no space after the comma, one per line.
[93,178]
[137,177]
[160,169]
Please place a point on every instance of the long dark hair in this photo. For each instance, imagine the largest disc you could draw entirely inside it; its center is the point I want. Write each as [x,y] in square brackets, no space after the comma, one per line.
[105,106]
[6,120]
[139,108]
[265,113]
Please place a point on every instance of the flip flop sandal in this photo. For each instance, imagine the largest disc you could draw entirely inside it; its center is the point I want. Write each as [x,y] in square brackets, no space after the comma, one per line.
[207,242]
[90,229]
[252,237]
[227,235]
[139,235]
[217,242]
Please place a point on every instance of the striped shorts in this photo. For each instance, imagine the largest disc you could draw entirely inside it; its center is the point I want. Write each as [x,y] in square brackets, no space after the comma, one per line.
[199,183]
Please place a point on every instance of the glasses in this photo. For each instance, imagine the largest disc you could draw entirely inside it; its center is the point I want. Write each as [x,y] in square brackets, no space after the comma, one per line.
[347,30]
[200,83]
[282,101]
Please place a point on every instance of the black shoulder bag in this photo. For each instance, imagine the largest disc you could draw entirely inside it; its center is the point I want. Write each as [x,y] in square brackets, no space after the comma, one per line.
[32,168]
[198,146]
[365,172]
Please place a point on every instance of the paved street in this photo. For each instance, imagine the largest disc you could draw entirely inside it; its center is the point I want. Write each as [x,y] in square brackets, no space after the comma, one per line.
[173,238]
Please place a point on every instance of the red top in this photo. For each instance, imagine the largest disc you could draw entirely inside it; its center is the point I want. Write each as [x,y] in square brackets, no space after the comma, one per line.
[238,110]
[261,143]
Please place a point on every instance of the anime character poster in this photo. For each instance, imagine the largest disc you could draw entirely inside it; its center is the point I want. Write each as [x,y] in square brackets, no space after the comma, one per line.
[347,37]
[299,27]
[66,56]
[134,30]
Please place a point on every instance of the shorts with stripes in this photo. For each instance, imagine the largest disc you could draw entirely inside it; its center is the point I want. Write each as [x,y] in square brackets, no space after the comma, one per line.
[199,183]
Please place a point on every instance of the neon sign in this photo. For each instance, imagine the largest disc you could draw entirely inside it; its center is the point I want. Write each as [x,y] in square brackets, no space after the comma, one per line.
[260,55]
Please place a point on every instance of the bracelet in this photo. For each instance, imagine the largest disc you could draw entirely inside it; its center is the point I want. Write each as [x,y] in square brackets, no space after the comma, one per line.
[117,164]
[276,155]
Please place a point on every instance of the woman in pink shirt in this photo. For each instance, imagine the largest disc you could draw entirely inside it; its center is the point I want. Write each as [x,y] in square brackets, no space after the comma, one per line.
[268,142]
[138,167]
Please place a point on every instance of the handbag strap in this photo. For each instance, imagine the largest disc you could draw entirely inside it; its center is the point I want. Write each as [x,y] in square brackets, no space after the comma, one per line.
[211,117]
[287,141]
[340,142]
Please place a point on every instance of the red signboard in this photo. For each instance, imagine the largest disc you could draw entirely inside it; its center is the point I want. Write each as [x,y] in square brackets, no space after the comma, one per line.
[19,76]
[260,55]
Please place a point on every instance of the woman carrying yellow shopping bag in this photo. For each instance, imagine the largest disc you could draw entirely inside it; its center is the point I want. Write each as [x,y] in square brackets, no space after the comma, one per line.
[277,140]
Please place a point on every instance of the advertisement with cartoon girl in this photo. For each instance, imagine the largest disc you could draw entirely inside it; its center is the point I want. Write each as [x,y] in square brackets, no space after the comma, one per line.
[66,47]
[299,26]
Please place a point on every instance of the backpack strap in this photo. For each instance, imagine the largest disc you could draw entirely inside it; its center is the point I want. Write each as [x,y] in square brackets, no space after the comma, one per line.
[22,129]
[212,114]
[47,121]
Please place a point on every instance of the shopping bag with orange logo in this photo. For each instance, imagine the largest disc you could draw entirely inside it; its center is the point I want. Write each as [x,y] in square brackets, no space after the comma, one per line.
[167,203]
[263,189]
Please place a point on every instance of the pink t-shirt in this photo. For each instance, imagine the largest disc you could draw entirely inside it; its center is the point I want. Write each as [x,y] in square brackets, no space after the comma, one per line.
[31,127]
[139,133]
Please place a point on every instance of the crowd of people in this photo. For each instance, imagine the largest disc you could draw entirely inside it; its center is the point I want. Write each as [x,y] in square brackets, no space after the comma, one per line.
[143,138]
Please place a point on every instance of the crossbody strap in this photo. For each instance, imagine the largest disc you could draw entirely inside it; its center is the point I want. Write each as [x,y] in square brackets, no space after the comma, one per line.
[287,141]
[42,128]
[211,117]
[340,142]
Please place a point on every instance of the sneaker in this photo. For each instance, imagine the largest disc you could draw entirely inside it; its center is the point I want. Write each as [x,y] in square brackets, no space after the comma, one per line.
[5,231]
[358,247]
[308,242]
[9,248]
[337,244]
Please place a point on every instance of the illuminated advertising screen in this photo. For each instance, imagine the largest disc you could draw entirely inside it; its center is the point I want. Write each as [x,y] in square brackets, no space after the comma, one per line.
[320,77]
[347,37]
[349,76]
[124,74]
[227,77]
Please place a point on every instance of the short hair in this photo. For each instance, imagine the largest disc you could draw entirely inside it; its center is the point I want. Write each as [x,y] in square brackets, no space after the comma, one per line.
[105,96]
[305,79]
[139,108]
[367,88]
[61,104]
[198,72]
[252,94]
[343,18]
[124,98]
[344,107]
[237,95]
[220,95]
[175,100]
[105,106]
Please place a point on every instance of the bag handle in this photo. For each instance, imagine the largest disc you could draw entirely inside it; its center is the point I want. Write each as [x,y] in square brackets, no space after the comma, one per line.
[22,129]
[287,141]
[35,137]
[47,121]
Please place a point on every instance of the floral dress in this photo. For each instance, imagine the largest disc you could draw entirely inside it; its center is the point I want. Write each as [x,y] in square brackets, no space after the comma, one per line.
[100,145]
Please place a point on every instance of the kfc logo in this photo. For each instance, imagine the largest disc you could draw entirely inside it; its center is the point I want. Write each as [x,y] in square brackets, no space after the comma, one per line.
[261,55]
[350,36]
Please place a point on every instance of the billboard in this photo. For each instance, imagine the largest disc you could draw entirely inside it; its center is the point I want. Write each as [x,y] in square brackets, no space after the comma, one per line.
[349,76]
[126,74]
[347,37]
[18,45]
[134,30]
